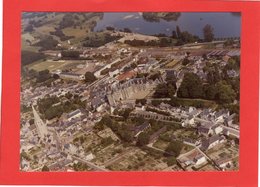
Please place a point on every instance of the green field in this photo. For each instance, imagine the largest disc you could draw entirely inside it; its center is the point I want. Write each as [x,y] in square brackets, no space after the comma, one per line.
[172,63]
[50,65]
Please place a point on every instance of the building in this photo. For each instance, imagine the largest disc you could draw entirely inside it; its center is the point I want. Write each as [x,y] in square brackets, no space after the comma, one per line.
[224,163]
[205,130]
[199,159]
[137,88]
[74,114]
[141,128]
[72,76]
[211,142]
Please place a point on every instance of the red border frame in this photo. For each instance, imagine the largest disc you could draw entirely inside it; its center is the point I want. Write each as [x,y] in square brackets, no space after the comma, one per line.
[9,147]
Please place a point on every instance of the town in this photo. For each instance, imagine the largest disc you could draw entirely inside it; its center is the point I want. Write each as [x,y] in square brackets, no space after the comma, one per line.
[128,101]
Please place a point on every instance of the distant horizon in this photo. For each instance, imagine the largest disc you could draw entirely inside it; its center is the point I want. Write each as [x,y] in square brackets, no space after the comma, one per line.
[225,24]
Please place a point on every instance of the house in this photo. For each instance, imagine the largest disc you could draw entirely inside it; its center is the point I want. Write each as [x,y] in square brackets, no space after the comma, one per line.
[74,114]
[205,130]
[229,120]
[199,159]
[211,142]
[205,113]
[25,165]
[141,128]
[72,76]
[217,129]
[155,135]
[194,112]
[107,132]
[70,148]
[126,76]
[235,52]
[220,115]
[113,72]
[191,142]
[232,73]
[188,122]
[226,132]
[224,163]
[89,157]
[96,102]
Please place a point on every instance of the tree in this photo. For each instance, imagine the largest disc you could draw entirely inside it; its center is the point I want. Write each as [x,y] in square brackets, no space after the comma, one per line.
[141,101]
[127,30]
[174,35]
[213,75]
[89,77]
[185,61]
[106,120]
[178,31]
[191,86]
[171,161]
[28,57]
[171,77]
[43,75]
[31,121]
[56,76]
[29,28]
[204,56]
[70,54]
[210,92]
[174,149]
[48,43]
[164,42]
[171,90]
[208,33]
[125,113]
[161,91]
[126,136]
[109,28]
[155,76]
[186,37]
[45,168]
[156,102]
[225,93]
[143,139]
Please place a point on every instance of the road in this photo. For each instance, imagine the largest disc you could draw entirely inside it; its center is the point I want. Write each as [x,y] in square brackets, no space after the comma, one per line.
[157,149]
[118,158]
[93,166]
[232,131]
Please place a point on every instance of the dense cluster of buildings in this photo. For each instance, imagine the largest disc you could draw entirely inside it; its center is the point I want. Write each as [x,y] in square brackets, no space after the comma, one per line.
[62,143]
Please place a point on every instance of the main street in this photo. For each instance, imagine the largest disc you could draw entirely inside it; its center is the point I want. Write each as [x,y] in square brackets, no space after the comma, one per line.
[93,166]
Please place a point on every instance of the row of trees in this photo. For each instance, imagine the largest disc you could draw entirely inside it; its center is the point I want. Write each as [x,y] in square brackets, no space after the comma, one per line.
[118,128]
[70,54]
[28,57]
[193,87]
[99,40]
[168,89]
[156,17]
[162,42]
[51,106]
[48,43]
[219,86]
[185,37]
[58,32]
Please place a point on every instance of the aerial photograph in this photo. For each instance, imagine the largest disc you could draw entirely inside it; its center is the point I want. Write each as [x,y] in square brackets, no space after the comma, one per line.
[130,91]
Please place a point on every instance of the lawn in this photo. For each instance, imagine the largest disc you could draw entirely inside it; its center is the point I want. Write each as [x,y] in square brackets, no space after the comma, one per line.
[46,29]
[50,65]
[172,63]
[197,102]
[160,144]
